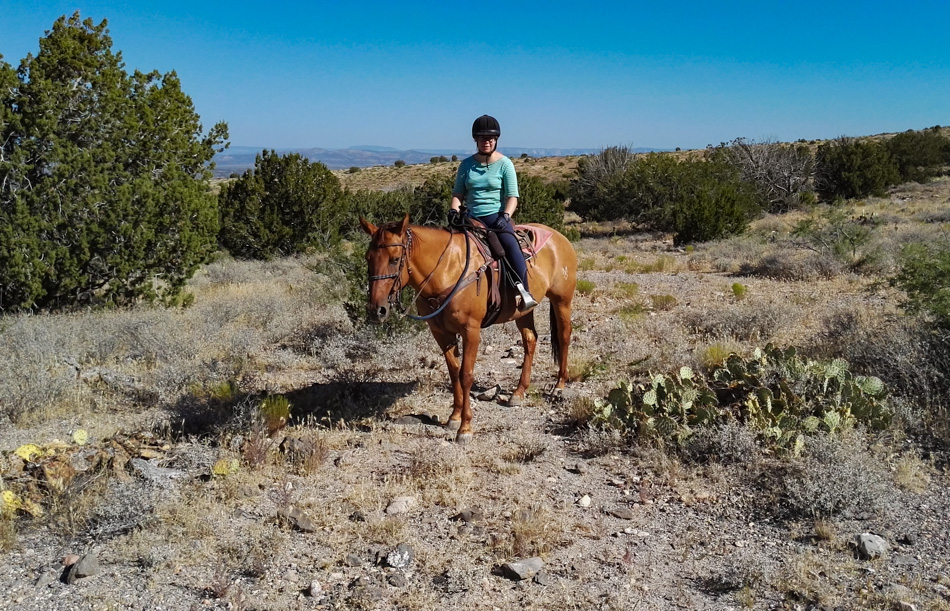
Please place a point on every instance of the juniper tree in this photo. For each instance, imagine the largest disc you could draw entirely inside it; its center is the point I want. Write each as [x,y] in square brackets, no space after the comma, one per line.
[104,193]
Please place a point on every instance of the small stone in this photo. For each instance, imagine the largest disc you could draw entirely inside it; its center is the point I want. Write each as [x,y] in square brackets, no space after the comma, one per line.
[408,420]
[623,513]
[543,578]
[357,516]
[70,559]
[490,394]
[398,580]
[871,546]
[584,501]
[401,557]
[352,560]
[468,516]
[400,505]
[908,539]
[580,468]
[87,566]
[903,605]
[522,569]
[315,589]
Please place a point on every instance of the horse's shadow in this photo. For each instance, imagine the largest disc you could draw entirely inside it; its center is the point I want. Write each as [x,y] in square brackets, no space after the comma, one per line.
[346,402]
[339,402]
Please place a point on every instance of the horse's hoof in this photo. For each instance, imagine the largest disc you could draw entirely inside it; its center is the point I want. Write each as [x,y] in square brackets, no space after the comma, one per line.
[453,425]
[514,401]
[463,439]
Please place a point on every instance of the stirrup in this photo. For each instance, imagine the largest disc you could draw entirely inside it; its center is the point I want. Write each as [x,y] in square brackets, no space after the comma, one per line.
[528,302]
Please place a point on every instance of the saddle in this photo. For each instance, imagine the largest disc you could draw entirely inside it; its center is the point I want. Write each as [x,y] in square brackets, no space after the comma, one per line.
[499,284]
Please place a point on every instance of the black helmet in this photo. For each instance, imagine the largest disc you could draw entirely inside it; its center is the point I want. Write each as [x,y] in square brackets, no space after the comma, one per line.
[486,126]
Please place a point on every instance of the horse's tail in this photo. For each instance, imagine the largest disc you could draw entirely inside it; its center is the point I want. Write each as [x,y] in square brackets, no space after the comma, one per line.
[555,335]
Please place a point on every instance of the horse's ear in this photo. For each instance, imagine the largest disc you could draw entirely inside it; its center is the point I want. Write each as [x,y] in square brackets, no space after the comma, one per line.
[367,226]
[405,224]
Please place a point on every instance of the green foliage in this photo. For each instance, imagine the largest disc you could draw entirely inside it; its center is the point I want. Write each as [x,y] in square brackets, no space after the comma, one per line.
[585,287]
[784,395]
[104,177]
[837,233]
[776,392]
[284,205]
[539,203]
[399,163]
[847,168]
[668,407]
[919,155]
[425,205]
[739,290]
[695,200]
[596,192]
[924,276]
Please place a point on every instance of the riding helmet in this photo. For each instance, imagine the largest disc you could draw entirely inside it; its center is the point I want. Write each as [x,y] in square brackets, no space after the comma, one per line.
[486,126]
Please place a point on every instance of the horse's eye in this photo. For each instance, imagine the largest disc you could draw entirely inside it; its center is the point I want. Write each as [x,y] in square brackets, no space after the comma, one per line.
[394,260]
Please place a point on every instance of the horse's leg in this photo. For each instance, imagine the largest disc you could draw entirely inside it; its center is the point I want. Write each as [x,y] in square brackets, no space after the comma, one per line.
[470,340]
[561,316]
[529,339]
[448,342]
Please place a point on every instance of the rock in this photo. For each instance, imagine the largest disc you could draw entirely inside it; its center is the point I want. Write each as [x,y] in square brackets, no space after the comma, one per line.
[401,557]
[49,577]
[871,546]
[522,569]
[408,420]
[315,589]
[543,578]
[584,501]
[490,394]
[352,560]
[398,580]
[579,468]
[468,516]
[623,513]
[903,605]
[70,559]
[297,519]
[87,566]
[908,539]
[400,505]
[159,475]
[357,516]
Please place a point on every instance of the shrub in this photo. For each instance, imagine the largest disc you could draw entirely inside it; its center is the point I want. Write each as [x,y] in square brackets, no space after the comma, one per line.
[919,155]
[399,163]
[353,169]
[539,204]
[104,193]
[847,168]
[285,205]
[836,477]
[925,277]
[595,191]
[835,232]
[782,172]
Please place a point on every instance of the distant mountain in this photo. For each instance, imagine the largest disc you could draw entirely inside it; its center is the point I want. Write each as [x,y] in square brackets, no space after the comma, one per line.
[237,159]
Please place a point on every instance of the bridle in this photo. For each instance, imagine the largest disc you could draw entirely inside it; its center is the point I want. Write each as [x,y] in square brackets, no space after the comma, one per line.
[395,303]
[397,286]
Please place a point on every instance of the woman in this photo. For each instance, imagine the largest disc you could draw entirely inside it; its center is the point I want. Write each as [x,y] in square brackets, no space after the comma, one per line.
[488,185]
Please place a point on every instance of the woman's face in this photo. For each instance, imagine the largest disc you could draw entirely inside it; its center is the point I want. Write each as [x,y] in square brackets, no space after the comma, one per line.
[485,144]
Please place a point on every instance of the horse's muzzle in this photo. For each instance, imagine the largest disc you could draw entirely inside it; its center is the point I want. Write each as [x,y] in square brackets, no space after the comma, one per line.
[377,313]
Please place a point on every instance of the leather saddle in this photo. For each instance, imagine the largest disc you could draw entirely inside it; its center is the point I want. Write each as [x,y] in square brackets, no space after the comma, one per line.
[498,280]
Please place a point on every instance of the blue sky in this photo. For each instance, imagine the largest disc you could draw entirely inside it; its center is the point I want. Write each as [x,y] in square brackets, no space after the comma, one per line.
[644,74]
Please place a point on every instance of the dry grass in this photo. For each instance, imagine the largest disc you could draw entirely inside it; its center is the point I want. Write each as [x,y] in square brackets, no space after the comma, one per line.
[196,377]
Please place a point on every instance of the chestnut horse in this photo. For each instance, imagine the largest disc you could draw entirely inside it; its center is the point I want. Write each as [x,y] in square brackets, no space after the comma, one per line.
[432,260]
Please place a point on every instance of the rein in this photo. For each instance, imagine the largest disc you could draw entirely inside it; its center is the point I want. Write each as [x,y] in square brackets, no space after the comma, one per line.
[397,288]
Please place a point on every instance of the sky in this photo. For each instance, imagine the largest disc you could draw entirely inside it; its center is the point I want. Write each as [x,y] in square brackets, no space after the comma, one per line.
[414,75]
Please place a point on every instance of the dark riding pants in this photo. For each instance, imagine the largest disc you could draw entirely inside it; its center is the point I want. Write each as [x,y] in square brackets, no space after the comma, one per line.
[510,243]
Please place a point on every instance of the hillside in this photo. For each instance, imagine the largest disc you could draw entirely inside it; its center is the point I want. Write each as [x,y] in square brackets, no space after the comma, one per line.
[179,497]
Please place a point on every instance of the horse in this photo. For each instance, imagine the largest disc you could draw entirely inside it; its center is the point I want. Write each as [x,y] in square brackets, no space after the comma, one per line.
[434,261]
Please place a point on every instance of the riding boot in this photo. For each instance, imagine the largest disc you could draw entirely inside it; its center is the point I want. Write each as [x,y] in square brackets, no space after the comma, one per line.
[528,302]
